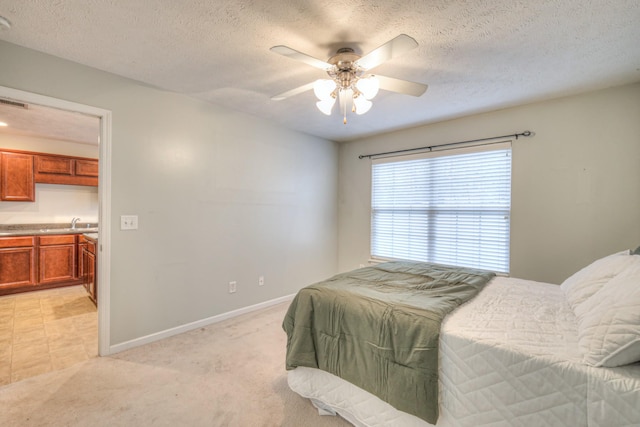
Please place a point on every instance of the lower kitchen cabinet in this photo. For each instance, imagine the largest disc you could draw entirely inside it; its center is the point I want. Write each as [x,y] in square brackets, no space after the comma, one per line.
[39,262]
[17,263]
[57,259]
[90,279]
[82,244]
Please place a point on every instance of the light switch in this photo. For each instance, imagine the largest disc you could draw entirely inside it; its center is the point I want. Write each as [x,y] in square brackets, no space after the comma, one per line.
[128,222]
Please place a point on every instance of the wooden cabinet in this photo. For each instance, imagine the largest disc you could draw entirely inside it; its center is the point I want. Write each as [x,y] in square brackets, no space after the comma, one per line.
[40,262]
[17,263]
[21,170]
[57,259]
[54,169]
[54,165]
[16,177]
[89,262]
[82,244]
[86,168]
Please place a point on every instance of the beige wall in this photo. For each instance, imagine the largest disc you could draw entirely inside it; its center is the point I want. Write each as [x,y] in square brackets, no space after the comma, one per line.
[54,203]
[220,195]
[575,185]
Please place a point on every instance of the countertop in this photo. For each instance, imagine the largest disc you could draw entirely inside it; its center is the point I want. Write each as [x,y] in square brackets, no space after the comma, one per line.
[91,236]
[9,230]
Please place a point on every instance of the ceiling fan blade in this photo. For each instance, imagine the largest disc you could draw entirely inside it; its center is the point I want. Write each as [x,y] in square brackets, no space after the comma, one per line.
[401,86]
[293,92]
[394,47]
[299,56]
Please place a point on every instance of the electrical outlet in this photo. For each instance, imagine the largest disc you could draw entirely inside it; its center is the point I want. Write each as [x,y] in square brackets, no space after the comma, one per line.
[361,265]
[232,287]
[261,281]
[128,222]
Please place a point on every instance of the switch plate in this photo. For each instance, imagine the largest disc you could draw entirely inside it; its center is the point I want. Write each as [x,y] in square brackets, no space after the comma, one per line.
[232,287]
[261,281]
[128,222]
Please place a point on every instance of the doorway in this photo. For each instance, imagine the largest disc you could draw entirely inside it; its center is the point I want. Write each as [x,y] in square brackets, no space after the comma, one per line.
[104,209]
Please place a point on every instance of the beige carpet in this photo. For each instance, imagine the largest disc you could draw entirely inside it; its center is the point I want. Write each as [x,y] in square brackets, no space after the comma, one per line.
[228,374]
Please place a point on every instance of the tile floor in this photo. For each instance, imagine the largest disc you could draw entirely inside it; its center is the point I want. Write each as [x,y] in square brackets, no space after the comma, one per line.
[47,330]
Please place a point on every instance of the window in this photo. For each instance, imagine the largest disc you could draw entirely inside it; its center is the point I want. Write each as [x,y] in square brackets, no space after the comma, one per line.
[449,207]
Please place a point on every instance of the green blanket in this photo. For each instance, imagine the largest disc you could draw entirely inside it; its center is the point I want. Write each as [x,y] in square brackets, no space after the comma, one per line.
[378,328]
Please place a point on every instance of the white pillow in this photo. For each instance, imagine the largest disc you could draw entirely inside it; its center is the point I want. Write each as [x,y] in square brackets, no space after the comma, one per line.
[609,321]
[586,282]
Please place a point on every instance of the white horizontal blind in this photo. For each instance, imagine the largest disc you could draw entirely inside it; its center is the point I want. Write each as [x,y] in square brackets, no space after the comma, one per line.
[452,209]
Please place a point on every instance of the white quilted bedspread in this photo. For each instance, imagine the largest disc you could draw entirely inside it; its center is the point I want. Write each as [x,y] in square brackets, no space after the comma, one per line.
[509,357]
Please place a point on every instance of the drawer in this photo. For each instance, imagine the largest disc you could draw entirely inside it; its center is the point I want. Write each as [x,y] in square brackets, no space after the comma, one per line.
[17,242]
[63,239]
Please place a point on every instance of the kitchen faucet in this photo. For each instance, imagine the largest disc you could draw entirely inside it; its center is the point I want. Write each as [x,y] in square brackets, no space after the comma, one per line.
[73,222]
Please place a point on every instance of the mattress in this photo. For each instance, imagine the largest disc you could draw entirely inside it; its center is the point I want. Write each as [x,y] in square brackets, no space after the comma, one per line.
[509,357]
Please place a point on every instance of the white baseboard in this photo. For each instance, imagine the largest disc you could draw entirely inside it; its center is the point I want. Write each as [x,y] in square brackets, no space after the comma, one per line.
[194,325]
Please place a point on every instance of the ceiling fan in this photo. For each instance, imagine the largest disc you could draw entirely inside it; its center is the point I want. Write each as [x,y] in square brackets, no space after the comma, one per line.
[349,82]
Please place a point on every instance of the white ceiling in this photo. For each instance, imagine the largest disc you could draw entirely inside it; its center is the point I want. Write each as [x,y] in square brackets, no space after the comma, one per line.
[475,55]
[51,123]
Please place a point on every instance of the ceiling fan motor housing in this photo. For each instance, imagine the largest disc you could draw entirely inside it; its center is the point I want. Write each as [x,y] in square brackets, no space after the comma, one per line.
[345,71]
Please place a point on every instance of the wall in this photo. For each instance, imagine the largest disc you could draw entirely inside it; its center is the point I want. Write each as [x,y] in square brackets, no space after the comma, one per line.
[220,195]
[54,203]
[575,184]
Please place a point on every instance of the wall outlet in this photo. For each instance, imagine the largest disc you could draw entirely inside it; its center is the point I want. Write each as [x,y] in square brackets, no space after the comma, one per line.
[128,222]
[361,265]
[232,287]
[261,281]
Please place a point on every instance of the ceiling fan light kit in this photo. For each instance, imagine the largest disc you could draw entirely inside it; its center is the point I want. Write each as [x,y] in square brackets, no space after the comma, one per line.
[360,93]
[348,83]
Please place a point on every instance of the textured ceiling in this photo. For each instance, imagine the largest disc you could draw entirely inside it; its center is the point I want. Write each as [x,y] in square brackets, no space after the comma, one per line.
[475,55]
[52,123]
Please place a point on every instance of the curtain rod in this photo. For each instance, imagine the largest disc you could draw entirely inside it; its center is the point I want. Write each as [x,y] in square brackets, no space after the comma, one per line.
[430,148]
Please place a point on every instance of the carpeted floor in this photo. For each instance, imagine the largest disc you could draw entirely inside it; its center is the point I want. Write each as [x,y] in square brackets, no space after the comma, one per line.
[228,374]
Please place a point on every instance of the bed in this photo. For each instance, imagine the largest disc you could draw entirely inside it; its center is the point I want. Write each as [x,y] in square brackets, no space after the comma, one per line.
[520,353]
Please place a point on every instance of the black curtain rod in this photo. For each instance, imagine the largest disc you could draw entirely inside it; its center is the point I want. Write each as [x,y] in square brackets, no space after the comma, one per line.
[430,148]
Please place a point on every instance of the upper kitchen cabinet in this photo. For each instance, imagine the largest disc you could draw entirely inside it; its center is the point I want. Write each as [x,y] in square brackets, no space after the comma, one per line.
[16,177]
[54,169]
[21,170]
[86,167]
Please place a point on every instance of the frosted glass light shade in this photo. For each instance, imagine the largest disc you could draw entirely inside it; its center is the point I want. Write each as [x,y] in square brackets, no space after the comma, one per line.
[326,105]
[368,86]
[362,105]
[323,88]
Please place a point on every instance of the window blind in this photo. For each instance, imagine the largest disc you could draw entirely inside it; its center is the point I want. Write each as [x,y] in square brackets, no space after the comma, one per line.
[449,208]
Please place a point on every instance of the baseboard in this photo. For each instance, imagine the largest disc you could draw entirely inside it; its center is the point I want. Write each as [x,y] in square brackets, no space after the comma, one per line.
[195,325]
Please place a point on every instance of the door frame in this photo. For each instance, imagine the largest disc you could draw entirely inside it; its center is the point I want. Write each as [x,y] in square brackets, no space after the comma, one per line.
[104,200]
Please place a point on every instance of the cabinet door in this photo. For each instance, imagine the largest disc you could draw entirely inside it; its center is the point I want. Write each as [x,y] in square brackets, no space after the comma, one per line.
[17,268]
[16,177]
[90,283]
[86,168]
[57,259]
[80,271]
[54,165]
